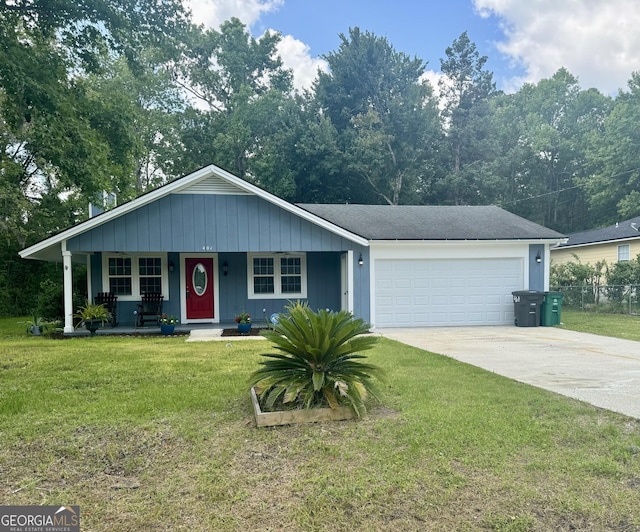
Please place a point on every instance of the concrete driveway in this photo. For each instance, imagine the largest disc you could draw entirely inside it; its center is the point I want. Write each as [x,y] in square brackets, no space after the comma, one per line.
[599,370]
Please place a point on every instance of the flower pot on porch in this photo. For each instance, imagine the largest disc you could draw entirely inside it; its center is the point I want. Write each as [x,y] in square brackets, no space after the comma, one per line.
[244,328]
[167,329]
[92,325]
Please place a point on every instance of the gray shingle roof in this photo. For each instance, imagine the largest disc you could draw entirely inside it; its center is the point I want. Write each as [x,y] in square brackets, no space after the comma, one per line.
[428,222]
[619,231]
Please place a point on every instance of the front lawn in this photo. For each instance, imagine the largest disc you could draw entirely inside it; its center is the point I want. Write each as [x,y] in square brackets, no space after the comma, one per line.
[156,433]
[616,325]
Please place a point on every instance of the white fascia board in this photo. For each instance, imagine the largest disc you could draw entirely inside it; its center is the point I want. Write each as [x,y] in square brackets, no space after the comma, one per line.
[599,243]
[176,186]
[428,243]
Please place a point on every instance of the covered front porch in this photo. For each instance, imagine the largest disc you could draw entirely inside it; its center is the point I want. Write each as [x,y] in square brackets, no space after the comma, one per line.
[212,245]
[210,289]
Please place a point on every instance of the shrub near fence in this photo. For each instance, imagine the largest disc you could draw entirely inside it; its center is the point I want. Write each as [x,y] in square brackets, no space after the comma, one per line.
[614,299]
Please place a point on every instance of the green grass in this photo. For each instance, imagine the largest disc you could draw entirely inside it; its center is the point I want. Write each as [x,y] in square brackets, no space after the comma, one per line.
[615,325]
[156,433]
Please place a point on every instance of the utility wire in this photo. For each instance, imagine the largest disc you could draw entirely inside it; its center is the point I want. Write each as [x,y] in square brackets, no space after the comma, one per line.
[563,189]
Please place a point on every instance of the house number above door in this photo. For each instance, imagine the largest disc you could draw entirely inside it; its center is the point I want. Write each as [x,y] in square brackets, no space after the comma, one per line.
[199,279]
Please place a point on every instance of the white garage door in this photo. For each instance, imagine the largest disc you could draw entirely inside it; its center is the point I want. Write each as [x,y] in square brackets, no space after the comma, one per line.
[414,293]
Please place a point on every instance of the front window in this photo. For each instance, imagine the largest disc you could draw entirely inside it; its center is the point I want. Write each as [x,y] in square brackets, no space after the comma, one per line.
[277,276]
[623,253]
[150,271]
[263,275]
[291,275]
[120,276]
[130,277]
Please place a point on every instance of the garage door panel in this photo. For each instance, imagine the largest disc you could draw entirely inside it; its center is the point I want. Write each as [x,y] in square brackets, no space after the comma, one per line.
[446,292]
[439,300]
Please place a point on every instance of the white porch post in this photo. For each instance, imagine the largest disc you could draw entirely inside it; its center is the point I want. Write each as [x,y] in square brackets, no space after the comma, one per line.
[68,289]
[350,281]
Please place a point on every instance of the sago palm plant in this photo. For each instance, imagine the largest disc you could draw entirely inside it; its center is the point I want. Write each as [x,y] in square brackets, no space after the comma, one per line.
[318,361]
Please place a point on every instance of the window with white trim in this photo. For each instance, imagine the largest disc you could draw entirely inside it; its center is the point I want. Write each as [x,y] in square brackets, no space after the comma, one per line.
[277,276]
[131,276]
[119,273]
[150,271]
[623,253]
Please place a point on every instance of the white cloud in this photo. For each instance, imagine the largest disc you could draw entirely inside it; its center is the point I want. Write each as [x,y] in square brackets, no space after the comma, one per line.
[294,53]
[596,40]
[212,13]
[435,78]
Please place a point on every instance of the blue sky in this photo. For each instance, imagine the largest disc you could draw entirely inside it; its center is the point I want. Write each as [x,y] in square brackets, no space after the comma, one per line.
[525,40]
[417,28]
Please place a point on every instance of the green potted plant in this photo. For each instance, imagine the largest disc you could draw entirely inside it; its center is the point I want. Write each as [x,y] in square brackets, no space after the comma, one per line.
[93,316]
[35,327]
[319,364]
[244,322]
[167,324]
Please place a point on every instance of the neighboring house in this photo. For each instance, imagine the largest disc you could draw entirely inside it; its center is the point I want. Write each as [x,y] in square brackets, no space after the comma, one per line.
[615,243]
[215,245]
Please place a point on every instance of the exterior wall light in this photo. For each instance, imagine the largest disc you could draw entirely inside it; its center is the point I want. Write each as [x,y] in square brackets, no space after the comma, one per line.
[225,268]
[171,266]
[360,260]
[538,258]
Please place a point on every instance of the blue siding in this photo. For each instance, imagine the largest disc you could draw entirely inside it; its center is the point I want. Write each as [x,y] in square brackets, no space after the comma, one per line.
[323,280]
[96,274]
[361,284]
[536,270]
[126,309]
[230,226]
[197,223]
[323,286]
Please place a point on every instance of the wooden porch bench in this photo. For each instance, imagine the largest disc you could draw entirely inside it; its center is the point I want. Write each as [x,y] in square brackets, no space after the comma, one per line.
[149,309]
[109,301]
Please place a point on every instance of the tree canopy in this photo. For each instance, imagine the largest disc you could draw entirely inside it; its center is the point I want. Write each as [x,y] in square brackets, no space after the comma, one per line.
[122,96]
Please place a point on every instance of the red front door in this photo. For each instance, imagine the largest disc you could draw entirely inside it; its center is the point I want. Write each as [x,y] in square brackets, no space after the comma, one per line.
[199,283]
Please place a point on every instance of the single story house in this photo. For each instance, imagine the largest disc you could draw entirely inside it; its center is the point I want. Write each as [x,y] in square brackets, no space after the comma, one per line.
[615,243]
[215,245]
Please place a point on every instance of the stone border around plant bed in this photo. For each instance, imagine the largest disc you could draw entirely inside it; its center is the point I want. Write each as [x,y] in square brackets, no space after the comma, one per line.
[291,417]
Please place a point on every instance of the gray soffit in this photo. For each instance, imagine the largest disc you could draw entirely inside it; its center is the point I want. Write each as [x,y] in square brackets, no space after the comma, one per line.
[620,231]
[427,222]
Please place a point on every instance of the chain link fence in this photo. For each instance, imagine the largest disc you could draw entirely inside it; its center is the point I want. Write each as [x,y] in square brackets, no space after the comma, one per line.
[613,299]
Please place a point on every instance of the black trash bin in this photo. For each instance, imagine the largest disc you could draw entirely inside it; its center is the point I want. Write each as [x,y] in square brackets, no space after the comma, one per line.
[526,307]
[551,311]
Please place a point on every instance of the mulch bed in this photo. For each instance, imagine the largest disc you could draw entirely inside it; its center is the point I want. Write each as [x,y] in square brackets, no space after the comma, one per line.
[255,331]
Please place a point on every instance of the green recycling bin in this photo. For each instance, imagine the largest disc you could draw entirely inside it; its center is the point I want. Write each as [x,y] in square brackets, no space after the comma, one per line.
[551,309]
